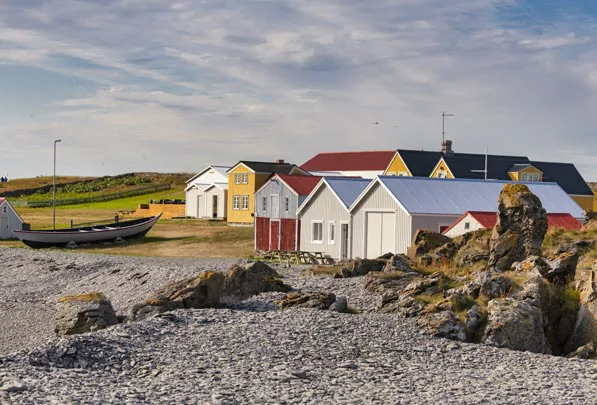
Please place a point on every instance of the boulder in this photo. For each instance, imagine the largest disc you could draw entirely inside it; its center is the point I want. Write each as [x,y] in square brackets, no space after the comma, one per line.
[203,291]
[496,287]
[470,289]
[531,264]
[365,266]
[516,325]
[586,352]
[83,313]
[520,228]
[562,265]
[473,321]
[255,278]
[585,328]
[340,305]
[426,241]
[443,324]
[318,300]
[401,263]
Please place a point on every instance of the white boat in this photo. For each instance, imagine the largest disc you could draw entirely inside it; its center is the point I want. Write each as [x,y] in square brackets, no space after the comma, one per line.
[88,234]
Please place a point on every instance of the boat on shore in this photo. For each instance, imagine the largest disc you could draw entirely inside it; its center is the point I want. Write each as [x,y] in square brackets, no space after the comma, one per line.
[89,234]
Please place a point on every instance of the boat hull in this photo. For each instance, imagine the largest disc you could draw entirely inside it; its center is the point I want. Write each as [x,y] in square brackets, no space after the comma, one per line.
[94,234]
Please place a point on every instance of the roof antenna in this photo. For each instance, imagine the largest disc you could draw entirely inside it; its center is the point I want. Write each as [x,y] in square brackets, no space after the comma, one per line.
[484,170]
[444,115]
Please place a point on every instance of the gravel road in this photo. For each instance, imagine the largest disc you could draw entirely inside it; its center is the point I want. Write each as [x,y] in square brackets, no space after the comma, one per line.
[247,353]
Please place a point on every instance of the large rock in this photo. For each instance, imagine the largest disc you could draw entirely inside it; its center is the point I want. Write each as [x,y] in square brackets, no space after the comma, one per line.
[318,300]
[401,263]
[496,287]
[256,278]
[426,241]
[516,325]
[562,265]
[585,328]
[520,228]
[203,291]
[443,324]
[83,313]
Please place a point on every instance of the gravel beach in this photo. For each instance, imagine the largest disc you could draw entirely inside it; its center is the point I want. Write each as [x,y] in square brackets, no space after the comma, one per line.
[247,352]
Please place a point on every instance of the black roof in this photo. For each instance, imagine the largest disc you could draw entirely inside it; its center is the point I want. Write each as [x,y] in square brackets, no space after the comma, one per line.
[270,167]
[518,167]
[566,175]
[420,162]
[471,165]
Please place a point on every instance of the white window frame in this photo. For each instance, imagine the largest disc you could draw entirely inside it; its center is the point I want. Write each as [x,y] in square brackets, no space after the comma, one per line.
[245,178]
[332,232]
[264,203]
[286,204]
[243,206]
[5,210]
[236,202]
[441,174]
[467,225]
[313,232]
[237,178]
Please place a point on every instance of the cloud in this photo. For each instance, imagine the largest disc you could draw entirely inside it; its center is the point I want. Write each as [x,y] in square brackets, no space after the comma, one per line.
[191,83]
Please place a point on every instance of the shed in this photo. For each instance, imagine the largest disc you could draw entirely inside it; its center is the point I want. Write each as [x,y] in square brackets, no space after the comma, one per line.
[9,220]
[474,220]
[326,223]
[207,193]
[276,203]
[388,213]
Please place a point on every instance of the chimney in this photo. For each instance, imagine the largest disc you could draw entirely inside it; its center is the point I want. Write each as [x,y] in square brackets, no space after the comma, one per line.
[280,161]
[447,148]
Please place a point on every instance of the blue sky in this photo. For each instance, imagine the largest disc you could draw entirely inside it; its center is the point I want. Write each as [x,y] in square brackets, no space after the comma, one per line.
[162,85]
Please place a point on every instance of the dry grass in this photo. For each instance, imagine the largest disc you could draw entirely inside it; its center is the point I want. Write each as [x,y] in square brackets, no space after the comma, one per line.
[36,182]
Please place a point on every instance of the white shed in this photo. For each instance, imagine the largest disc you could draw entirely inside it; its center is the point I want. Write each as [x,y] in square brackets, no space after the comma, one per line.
[207,193]
[390,210]
[9,220]
[325,222]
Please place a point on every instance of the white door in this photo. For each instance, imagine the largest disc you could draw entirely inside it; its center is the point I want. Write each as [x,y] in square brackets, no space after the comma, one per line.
[380,234]
[200,209]
[275,206]
[4,231]
[343,241]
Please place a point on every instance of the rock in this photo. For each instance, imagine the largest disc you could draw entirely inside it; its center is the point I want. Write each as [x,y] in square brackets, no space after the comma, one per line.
[83,313]
[470,288]
[586,352]
[531,264]
[443,324]
[562,265]
[13,385]
[423,285]
[535,291]
[365,266]
[426,241]
[386,256]
[516,325]
[400,262]
[473,322]
[407,306]
[255,278]
[473,248]
[520,228]
[585,327]
[340,305]
[320,300]
[496,287]
[203,291]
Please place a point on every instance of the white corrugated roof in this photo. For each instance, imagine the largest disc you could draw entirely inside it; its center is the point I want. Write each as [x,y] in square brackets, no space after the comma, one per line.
[424,195]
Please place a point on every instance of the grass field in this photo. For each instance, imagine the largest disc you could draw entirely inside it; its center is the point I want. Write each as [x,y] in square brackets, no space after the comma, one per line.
[36,182]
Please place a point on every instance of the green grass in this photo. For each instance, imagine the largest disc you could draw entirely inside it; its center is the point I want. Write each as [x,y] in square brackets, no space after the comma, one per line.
[129,203]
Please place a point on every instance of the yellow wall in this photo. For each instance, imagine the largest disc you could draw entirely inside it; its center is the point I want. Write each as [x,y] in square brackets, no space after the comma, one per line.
[255,181]
[442,166]
[531,170]
[585,201]
[397,166]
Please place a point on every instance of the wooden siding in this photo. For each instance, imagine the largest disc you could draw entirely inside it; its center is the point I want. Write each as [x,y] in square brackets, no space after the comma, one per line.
[459,228]
[288,235]
[397,166]
[262,233]
[191,202]
[8,221]
[442,166]
[168,211]
[584,201]
[266,240]
[255,180]
[326,208]
[280,189]
[379,200]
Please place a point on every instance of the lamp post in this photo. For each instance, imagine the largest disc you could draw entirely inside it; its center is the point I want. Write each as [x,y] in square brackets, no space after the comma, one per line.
[54,188]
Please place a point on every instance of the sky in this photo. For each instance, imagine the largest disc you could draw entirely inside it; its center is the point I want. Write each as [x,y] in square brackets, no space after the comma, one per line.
[176,85]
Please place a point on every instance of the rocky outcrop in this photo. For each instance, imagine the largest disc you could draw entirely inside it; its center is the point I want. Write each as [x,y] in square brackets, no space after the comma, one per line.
[425,242]
[562,265]
[401,263]
[318,300]
[585,327]
[83,313]
[203,291]
[520,228]
[255,278]
[496,287]
[443,324]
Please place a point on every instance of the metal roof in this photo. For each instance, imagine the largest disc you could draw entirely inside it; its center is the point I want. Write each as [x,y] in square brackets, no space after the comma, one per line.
[347,189]
[350,161]
[423,195]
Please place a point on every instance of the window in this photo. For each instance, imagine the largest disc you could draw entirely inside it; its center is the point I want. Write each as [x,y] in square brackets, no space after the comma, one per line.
[235,202]
[245,202]
[286,204]
[529,177]
[332,233]
[317,232]
[467,225]
[264,203]
[441,175]
[245,178]
[5,210]
[237,178]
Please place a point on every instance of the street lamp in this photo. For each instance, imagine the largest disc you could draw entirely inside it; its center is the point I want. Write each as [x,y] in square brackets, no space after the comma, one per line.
[54,188]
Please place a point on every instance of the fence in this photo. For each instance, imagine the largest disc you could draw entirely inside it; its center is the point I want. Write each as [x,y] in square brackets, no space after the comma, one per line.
[100,198]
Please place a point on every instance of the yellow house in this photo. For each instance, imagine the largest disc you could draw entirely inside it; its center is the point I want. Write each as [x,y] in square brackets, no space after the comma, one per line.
[244,179]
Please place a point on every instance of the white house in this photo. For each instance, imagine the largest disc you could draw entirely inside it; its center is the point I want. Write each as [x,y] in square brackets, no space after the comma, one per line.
[325,221]
[388,212]
[9,220]
[207,193]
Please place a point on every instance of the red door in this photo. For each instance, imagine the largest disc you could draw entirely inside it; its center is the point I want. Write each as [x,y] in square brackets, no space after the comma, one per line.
[274,235]
[262,233]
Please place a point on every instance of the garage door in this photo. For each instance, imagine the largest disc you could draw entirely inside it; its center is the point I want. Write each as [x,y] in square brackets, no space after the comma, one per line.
[380,234]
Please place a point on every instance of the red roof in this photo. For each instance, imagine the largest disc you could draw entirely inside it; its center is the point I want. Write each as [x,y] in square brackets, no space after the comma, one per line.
[302,185]
[333,161]
[1,200]
[488,220]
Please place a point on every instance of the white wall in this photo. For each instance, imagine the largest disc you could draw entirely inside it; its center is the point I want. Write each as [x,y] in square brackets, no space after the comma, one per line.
[222,197]
[9,220]
[366,174]
[191,202]
[459,228]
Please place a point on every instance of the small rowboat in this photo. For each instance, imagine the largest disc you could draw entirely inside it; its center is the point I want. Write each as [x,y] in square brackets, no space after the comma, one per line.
[88,234]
